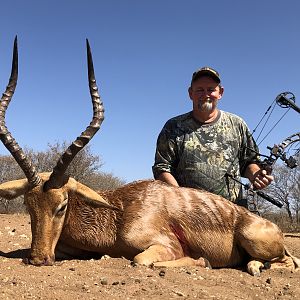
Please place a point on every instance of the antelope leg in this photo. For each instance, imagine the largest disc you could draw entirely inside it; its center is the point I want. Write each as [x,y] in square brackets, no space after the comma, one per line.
[184,262]
[156,253]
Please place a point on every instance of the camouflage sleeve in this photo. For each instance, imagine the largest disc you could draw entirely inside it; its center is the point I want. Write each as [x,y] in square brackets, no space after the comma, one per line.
[249,153]
[165,155]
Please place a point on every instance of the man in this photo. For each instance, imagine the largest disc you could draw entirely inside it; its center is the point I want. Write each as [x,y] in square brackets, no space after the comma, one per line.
[201,148]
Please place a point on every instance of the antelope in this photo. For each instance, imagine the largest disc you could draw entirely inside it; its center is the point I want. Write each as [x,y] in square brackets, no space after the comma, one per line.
[147,221]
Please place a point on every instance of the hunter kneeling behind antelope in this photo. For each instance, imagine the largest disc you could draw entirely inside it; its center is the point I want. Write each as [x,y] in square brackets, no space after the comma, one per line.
[150,222]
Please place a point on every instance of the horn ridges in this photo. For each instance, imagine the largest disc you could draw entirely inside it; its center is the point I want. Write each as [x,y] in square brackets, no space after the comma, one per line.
[57,177]
[9,142]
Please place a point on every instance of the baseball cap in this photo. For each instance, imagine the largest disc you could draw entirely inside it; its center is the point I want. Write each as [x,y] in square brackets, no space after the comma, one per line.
[206,71]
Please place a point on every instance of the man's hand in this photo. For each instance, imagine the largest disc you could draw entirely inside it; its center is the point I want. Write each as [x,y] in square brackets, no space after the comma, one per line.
[261,179]
[258,176]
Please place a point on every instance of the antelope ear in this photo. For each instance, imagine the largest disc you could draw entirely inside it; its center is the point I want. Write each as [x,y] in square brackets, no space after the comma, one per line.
[13,189]
[88,195]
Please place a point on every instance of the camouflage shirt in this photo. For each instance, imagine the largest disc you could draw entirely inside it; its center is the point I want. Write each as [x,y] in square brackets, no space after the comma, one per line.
[199,155]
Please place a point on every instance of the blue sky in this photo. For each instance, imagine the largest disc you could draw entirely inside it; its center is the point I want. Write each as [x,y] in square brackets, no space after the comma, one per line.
[144,55]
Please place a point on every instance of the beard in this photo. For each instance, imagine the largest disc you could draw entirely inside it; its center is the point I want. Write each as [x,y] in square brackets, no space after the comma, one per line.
[206,105]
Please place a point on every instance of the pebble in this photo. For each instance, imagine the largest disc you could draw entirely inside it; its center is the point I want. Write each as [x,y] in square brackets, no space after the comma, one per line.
[162,273]
[178,293]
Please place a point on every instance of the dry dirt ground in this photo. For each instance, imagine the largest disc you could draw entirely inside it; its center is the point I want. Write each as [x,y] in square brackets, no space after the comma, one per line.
[119,279]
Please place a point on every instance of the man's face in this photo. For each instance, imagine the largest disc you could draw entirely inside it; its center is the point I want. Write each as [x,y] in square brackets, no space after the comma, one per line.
[205,93]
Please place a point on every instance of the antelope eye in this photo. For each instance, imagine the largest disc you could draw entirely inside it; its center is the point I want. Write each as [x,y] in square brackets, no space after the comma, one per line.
[61,209]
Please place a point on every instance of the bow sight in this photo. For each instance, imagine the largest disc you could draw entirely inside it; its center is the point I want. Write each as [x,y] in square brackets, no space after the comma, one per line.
[278,151]
[284,100]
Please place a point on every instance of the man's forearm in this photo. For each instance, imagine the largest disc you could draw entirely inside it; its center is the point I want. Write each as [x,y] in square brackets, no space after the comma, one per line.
[168,178]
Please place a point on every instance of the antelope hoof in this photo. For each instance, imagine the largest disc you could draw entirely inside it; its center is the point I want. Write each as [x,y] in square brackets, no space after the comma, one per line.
[254,267]
[47,261]
[206,263]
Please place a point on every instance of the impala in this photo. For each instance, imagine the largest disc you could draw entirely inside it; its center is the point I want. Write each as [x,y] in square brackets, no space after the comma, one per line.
[147,221]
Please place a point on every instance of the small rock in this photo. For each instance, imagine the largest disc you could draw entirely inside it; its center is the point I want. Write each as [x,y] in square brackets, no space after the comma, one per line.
[133,264]
[162,273]
[269,280]
[86,288]
[24,236]
[178,293]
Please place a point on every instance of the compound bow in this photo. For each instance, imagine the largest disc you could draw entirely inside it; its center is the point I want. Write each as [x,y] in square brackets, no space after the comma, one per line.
[279,151]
